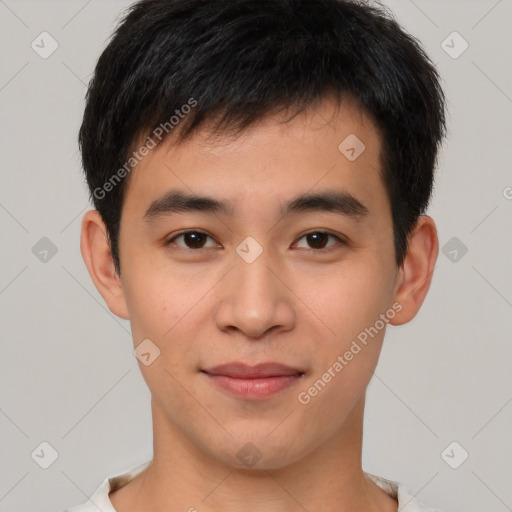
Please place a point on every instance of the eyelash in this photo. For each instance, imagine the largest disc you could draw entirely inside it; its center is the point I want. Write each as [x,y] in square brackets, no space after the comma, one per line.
[328,233]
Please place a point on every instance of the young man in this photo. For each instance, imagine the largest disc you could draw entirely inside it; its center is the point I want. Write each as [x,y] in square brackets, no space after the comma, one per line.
[260,172]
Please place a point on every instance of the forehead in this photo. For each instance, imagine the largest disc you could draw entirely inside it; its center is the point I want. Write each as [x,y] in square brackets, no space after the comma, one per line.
[330,146]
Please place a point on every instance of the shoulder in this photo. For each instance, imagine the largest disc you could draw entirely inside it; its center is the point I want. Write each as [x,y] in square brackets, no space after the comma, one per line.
[406,501]
[100,498]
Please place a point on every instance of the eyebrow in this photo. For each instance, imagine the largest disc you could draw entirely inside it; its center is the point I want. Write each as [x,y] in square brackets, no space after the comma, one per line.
[176,201]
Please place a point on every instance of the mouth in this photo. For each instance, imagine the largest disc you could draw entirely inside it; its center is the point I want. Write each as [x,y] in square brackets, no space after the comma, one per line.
[253,382]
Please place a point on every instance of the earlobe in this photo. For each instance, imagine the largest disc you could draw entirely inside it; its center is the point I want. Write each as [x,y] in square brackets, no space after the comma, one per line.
[415,275]
[97,256]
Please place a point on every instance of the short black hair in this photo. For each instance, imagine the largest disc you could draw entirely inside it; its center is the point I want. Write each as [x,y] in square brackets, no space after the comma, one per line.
[235,62]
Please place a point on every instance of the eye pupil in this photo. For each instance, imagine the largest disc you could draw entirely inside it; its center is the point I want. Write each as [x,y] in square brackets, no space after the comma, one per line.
[316,239]
[194,239]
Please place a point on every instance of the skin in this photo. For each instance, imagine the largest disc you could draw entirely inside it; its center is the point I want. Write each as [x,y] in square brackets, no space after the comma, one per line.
[298,303]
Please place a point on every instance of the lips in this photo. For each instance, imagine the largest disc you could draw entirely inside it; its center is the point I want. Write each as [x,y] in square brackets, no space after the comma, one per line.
[260,371]
[253,382]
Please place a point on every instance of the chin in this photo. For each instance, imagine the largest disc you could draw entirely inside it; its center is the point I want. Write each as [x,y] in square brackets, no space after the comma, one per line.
[259,452]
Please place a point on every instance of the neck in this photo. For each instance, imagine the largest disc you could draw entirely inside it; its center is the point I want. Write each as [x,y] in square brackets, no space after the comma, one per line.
[182,477]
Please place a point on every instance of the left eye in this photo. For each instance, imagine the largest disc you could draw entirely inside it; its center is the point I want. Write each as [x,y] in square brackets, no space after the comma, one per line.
[318,239]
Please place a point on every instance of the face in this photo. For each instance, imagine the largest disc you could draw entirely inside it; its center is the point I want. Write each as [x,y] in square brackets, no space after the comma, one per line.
[289,261]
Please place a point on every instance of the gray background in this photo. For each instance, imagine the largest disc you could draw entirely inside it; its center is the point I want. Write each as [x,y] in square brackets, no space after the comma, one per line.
[67,371]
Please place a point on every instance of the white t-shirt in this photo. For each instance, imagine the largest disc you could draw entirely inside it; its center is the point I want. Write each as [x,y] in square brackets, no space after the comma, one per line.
[100,502]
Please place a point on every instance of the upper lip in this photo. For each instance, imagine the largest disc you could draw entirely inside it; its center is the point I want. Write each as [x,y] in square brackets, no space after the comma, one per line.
[262,370]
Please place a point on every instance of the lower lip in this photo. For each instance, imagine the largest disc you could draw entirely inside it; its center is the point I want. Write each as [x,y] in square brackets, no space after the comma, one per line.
[254,389]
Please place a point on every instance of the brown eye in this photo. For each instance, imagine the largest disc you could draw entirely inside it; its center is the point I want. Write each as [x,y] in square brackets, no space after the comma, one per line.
[191,239]
[318,240]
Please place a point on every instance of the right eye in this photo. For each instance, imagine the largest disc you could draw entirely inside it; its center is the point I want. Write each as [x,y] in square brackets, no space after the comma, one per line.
[192,239]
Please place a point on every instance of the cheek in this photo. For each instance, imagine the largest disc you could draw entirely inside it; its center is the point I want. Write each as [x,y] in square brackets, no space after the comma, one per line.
[346,299]
[355,306]
[349,303]
[164,311]
[173,311]
[158,298]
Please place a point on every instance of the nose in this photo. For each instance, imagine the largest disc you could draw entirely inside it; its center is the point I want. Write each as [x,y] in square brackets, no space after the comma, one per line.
[254,299]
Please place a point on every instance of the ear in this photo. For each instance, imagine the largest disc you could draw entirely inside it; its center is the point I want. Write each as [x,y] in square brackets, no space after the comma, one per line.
[97,256]
[415,274]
